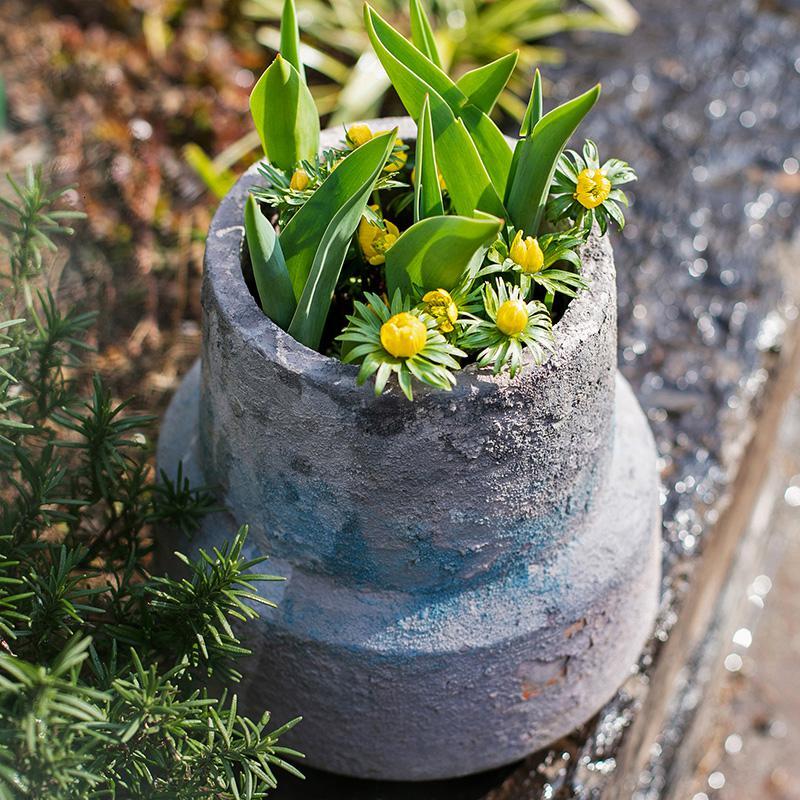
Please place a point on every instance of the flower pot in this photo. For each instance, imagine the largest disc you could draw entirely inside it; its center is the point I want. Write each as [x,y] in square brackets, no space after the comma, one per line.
[468,576]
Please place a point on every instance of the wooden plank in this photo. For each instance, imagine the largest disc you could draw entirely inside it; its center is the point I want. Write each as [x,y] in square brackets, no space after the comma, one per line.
[710,573]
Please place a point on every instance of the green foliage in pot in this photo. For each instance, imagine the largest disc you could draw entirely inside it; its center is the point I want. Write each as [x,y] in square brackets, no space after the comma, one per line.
[104,667]
[464,238]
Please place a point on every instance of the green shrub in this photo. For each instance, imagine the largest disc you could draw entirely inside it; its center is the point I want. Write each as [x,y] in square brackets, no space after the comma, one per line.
[103,666]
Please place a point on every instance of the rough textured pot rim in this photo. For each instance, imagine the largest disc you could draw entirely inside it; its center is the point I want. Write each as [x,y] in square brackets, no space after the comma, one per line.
[582,318]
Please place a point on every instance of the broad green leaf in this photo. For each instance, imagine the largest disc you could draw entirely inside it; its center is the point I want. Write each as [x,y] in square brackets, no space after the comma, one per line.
[414,76]
[318,235]
[290,38]
[533,113]
[483,85]
[285,115]
[537,158]
[427,191]
[468,181]
[433,253]
[422,33]
[274,286]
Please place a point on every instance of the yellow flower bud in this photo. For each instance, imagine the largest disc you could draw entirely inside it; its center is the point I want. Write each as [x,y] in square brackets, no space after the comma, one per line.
[439,304]
[397,160]
[300,180]
[374,241]
[442,184]
[512,317]
[358,134]
[527,253]
[404,335]
[593,188]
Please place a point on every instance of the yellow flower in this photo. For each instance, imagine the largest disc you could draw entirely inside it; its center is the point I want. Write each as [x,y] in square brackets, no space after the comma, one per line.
[593,188]
[300,180]
[403,335]
[512,317]
[440,305]
[397,160]
[527,253]
[358,134]
[374,240]
[442,184]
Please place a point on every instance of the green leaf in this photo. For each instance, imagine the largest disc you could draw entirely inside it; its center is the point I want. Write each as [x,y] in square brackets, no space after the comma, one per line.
[285,115]
[533,113]
[433,253]
[422,33]
[407,62]
[317,237]
[427,191]
[290,38]
[536,158]
[468,181]
[301,237]
[483,85]
[269,268]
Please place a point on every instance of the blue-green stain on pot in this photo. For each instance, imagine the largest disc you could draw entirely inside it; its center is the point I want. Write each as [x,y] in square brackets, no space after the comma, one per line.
[468,577]
[305,520]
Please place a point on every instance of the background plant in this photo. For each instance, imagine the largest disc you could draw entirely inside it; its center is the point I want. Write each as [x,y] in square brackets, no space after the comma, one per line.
[103,666]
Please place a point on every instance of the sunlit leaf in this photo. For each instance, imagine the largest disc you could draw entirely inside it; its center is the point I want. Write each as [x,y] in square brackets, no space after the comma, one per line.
[286,137]
[427,191]
[290,38]
[275,293]
[537,159]
[316,239]
[533,113]
[483,85]
[433,253]
[465,172]
[422,33]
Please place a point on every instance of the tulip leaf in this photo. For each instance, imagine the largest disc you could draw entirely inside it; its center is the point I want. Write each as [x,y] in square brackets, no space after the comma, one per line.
[427,191]
[464,170]
[285,115]
[422,33]
[483,85]
[318,235]
[533,113]
[290,38]
[434,253]
[274,286]
[414,76]
[536,157]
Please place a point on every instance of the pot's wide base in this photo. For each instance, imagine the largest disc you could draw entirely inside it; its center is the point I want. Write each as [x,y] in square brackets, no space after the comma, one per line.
[427,686]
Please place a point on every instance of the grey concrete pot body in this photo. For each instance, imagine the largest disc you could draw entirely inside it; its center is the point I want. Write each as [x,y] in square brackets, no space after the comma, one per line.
[469,576]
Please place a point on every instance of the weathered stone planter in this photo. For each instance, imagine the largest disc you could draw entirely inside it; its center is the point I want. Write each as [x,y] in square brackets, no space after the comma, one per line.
[468,576]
